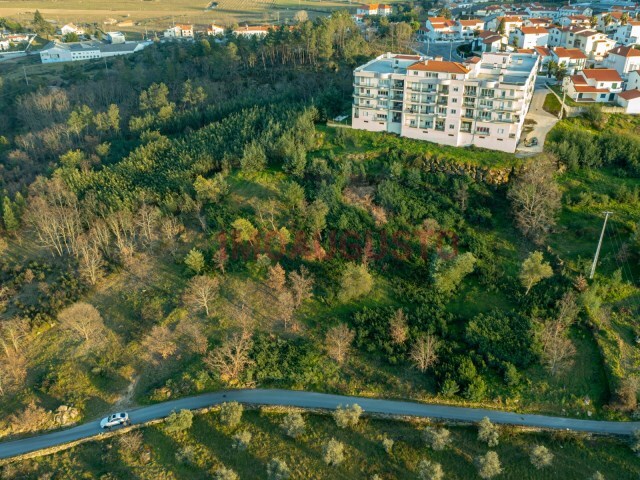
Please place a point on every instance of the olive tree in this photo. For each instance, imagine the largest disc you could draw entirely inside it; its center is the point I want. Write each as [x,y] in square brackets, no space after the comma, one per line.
[437,438]
[348,416]
[428,470]
[293,424]
[488,432]
[333,452]
[488,465]
[541,457]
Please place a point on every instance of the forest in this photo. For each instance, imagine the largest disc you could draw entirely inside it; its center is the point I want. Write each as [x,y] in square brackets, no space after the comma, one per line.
[190,219]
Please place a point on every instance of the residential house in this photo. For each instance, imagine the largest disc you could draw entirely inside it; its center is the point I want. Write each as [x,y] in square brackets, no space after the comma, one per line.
[4,45]
[440,28]
[56,52]
[248,31]
[628,34]
[543,22]
[623,60]
[481,102]
[575,20]
[374,9]
[487,41]
[466,29]
[575,10]
[214,30]
[71,28]
[529,37]
[565,36]
[609,22]
[633,80]
[508,23]
[540,11]
[179,31]
[594,44]
[630,100]
[573,59]
[594,85]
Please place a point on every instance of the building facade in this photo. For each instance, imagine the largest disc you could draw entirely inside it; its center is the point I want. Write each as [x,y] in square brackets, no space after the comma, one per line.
[482,102]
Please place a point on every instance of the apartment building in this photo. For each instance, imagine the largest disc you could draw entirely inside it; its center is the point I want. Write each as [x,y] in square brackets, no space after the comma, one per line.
[628,34]
[482,102]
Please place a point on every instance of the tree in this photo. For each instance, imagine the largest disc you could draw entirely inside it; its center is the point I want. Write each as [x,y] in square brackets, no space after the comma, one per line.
[488,432]
[488,465]
[244,230]
[437,438]
[285,307]
[347,417]
[210,190]
[276,278]
[338,342]
[316,217]
[293,424]
[301,285]
[541,457]
[333,452]
[90,258]
[597,476]
[535,198]
[41,26]
[195,261]
[178,421]
[533,270]
[224,473]
[9,218]
[635,441]
[154,98]
[445,12]
[254,157]
[558,350]
[424,352]
[398,329]
[230,359]
[449,274]
[387,444]
[242,439]
[231,414]
[356,282]
[192,97]
[278,470]
[428,470]
[160,341]
[201,291]
[220,259]
[84,321]
[502,27]
[301,16]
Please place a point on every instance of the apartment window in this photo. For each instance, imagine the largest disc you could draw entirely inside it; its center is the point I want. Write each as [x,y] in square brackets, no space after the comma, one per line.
[483,130]
[415,72]
[440,125]
[614,85]
[451,126]
[603,95]
[500,131]
[468,113]
[442,111]
[455,100]
[453,112]
[455,89]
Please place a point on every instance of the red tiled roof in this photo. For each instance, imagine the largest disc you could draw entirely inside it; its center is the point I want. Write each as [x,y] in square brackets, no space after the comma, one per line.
[510,19]
[542,51]
[574,53]
[533,30]
[589,89]
[407,57]
[524,50]
[602,74]
[470,23]
[439,66]
[626,52]
[578,80]
[492,39]
[630,94]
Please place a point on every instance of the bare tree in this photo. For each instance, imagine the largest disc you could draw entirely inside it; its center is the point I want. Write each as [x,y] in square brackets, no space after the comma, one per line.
[557,349]
[301,286]
[424,352]
[276,278]
[84,321]
[285,307]
[398,329]
[220,259]
[231,358]
[122,226]
[338,342]
[90,259]
[535,198]
[201,291]
[160,341]
[191,335]
[147,219]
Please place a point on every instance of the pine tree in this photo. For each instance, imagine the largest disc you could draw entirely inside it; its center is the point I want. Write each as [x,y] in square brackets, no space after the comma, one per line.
[9,218]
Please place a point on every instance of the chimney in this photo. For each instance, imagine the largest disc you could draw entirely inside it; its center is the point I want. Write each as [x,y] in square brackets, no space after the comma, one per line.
[438,58]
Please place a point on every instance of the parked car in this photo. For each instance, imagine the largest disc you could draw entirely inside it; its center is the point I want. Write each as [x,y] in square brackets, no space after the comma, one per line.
[114,420]
[532,142]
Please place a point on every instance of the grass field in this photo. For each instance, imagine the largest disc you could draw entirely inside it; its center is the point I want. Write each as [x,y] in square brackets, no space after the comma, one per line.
[160,14]
[207,446]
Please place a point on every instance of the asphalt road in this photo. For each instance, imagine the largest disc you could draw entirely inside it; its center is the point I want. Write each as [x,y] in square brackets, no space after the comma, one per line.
[318,400]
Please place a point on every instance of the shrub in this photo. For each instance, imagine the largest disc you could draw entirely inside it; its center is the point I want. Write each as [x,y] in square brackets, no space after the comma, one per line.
[224,473]
[231,414]
[241,440]
[541,457]
[333,452]
[387,444]
[293,424]
[178,422]
[488,432]
[488,465]
[278,470]
[348,416]
[437,438]
[428,470]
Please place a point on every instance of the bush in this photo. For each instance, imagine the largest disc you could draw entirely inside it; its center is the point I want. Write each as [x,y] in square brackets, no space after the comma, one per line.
[348,416]
[437,438]
[428,470]
[241,440]
[488,432]
[488,465]
[541,457]
[333,452]
[224,473]
[387,444]
[293,424]
[278,470]
[178,422]
[231,414]
[356,282]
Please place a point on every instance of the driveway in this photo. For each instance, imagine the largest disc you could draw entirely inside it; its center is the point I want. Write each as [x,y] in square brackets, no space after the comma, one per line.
[323,401]
[544,121]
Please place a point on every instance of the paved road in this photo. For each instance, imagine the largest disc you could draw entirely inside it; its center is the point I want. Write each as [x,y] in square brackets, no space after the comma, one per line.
[318,400]
[544,120]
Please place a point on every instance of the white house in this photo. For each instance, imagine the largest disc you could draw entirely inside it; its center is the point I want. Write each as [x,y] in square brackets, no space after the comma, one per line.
[544,53]
[115,37]
[594,85]
[214,30]
[628,34]
[633,80]
[609,22]
[4,45]
[538,10]
[573,59]
[466,29]
[594,44]
[440,28]
[630,100]
[71,28]
[543,22]
[529,37]
[509,23]
[576,20]
[179,31]
[481,102]
[623,60]
[247,31]
[575,10]
[487,41]
[375,9]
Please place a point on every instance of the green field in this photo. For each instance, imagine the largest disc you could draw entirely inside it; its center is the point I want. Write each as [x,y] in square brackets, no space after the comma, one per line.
[207,445]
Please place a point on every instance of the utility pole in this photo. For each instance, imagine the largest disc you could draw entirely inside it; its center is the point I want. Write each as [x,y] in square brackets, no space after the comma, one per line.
[564,94]
[595,259]
[450,48]
[26,79]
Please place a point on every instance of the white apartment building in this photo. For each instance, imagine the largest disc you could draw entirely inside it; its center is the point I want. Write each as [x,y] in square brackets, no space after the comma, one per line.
[628,34]
[482,102]
[56,52]
[623,60]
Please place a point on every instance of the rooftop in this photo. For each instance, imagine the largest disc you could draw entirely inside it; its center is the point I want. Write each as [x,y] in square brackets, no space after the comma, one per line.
[574,53]
[389,63]
[625,52]
[630,94]
[602,74]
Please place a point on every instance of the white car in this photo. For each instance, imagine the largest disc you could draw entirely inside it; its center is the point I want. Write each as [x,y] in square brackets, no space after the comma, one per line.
[115,420]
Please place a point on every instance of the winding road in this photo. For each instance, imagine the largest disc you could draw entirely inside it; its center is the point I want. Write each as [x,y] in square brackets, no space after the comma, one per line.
[321,401]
